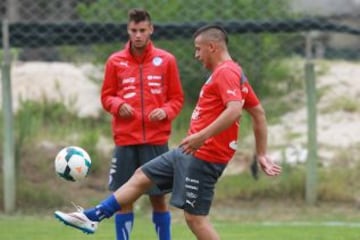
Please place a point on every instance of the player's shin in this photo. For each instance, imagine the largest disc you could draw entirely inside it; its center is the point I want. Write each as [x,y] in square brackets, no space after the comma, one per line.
[123,225]
[162,222]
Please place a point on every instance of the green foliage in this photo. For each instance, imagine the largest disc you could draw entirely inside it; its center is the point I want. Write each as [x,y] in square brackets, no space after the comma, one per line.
[39,121]
[264,60]
[88,140]
[39,197]
[33,117]
[174,11]
[51,120]
[192,73]
[245,125]
[180,125]
[44,111]
[245,187]
[335,184]
[345,104]
[14,52]
[259,54]
[41,129]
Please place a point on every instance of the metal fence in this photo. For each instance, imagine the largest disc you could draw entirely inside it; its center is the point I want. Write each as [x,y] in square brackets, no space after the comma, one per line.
[271,39]
[261,31]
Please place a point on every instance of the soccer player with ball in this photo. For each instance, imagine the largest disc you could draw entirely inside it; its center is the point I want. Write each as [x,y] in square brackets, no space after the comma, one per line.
[192,170]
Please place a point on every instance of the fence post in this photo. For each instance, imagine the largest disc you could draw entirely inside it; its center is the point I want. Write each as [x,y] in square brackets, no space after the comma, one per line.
[311,163]
[8,143]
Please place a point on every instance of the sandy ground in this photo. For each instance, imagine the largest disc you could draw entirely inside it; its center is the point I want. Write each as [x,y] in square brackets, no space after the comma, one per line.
[338,115]
[73,85]
[338,121]
[338,127]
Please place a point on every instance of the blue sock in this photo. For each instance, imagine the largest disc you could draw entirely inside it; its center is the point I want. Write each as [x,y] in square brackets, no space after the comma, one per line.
[162,221]
[104,210]
[123,225]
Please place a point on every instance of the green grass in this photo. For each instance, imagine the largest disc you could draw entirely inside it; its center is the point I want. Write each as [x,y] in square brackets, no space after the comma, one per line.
[46,227]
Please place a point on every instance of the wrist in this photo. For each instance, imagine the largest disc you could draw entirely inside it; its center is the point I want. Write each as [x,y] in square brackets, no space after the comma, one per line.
[203,135]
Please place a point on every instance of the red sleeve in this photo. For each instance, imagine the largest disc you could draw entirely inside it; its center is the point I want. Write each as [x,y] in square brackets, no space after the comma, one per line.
[109,99]
[175,95]
[228,84]
[251,100]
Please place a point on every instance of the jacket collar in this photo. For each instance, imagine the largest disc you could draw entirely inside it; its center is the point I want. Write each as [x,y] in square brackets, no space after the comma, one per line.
[148,49]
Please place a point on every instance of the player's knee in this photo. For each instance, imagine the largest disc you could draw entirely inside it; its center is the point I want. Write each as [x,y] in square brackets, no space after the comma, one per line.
[194,221]
[159,203]
[141,178]
[139,174]
[126,208]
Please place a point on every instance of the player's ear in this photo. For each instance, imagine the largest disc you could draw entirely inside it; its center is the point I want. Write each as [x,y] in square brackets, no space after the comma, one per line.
[151,29]
[212,46]
[128,30]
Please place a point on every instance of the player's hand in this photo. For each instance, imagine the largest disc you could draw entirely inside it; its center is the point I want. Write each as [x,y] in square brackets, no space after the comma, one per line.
[268,166]
[157,114]
[192,143]
[126,111]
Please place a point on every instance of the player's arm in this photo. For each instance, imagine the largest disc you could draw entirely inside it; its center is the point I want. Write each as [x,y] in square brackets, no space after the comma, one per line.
[231,114]
[259,124]
[175,94]
[109,99]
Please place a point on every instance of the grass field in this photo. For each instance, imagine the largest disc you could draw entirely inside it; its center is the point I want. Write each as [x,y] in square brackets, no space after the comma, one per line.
[47,228]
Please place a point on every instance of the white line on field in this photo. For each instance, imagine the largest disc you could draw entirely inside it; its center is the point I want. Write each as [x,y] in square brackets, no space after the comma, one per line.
[300,224]
[325,224]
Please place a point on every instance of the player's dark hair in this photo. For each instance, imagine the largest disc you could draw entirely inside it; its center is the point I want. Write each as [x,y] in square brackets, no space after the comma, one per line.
[138,15]
[215,31]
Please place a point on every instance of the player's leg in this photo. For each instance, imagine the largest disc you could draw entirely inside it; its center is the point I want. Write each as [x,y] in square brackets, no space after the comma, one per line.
[123,165]
[158,171]
[201,227]
[87,220]
[127,194]
[139,183]
[161,215]
[124,221]
[193,191]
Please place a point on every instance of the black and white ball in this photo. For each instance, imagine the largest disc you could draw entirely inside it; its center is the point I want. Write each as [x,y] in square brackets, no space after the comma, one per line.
[72,163]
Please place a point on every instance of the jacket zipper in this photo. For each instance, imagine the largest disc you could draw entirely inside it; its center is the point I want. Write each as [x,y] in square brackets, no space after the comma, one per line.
[142,101]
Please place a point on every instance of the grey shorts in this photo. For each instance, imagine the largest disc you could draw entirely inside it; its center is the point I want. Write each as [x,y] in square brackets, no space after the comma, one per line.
[126,159]
[191,180]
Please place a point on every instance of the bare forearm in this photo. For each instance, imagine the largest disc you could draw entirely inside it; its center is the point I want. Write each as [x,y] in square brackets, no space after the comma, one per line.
[259,125]
[231,114]
[260,134]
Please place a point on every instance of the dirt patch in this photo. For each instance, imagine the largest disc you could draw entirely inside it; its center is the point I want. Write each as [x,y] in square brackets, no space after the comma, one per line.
[70,84]
[338,118]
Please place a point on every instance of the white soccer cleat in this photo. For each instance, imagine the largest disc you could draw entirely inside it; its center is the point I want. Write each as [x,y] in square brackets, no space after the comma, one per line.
[77,220]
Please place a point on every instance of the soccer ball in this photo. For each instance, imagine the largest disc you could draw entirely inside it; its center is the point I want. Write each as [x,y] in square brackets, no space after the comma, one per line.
[72,163]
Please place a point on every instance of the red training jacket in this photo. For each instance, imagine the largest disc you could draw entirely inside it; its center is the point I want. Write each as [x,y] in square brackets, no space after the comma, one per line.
[149,82]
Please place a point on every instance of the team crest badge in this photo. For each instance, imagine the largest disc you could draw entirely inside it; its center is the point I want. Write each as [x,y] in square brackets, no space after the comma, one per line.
[157,61]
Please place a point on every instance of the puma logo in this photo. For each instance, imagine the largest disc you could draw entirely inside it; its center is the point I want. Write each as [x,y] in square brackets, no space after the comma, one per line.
[232,92]
[125,64]
[191,203]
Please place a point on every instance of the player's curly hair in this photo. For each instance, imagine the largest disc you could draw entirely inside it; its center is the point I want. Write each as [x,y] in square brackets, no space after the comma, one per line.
[138,15]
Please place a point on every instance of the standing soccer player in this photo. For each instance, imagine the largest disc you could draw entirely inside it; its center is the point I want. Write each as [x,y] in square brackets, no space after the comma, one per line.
[192,170]
[142,91]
